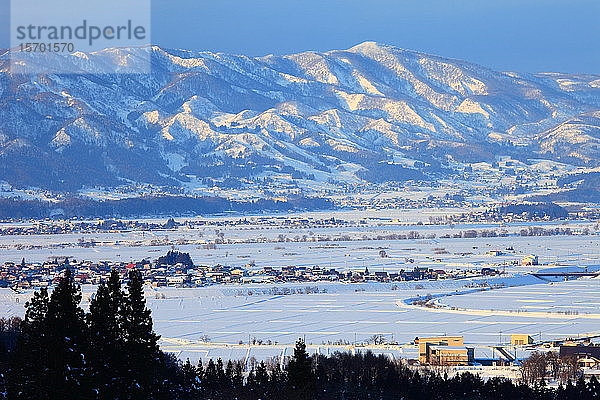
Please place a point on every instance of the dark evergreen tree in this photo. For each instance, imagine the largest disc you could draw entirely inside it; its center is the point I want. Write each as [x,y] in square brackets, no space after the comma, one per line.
[100,336]
[106,334]
[300,374]
[262,375]
[210,383]
[200,371]
[594,388]
[143,358]
[28,375]
[222,381]
[175,257]
[66,340]
[234,374]
[3,387]
[278,376]
[259,385]
[570,392]
[250,388]
[190,381]
[10,329]
[170,378]
[50,354]
[262,382]
[582,390]
[117,301]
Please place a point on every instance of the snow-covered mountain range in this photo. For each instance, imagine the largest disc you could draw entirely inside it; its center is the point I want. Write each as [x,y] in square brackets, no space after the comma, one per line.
[372,112]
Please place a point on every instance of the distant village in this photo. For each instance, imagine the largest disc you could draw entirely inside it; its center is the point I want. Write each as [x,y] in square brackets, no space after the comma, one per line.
[177,270]
[503,215]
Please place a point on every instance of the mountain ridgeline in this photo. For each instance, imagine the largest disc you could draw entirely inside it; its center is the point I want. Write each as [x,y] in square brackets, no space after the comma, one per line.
[370,113]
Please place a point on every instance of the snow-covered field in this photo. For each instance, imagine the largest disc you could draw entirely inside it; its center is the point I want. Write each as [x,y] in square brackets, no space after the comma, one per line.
[354,313]
[342,247]
[212,321]
[577,298]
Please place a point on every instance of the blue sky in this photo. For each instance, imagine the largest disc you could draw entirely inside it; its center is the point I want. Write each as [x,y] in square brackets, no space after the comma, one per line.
[518,35]
[523,35]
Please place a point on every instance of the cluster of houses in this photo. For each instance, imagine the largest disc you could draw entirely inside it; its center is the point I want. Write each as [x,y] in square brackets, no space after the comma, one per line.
[33,275]
[377,202]
[67,226]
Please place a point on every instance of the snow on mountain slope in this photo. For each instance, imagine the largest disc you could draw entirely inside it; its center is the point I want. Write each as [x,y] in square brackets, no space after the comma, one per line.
[577,139]
[314,116]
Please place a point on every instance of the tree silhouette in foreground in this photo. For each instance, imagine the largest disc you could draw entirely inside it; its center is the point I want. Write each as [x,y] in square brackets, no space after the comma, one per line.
[28,376]
[143,357]
[49,359]
[300,373]
[107,338]
[66,340]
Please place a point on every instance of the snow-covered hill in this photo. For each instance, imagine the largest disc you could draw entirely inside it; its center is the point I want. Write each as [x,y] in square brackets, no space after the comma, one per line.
[339,116]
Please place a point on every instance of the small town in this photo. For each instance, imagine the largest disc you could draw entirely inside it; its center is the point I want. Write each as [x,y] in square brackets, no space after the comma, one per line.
[502,215]
[176,269]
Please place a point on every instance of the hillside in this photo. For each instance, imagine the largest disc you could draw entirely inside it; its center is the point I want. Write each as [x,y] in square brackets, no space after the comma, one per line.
[372,112]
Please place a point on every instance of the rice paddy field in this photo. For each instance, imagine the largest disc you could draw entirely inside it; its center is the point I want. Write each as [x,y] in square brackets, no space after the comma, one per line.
[221,320]
[579,298]
[340,247]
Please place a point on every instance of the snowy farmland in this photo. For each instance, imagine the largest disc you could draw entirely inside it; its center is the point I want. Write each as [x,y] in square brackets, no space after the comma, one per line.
[213,321]
[576,298]
[344,247]
[347,313]
[354,313]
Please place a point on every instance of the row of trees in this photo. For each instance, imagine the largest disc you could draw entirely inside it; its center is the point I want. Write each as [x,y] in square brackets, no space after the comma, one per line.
[13,208]
[541,366]
[344,376]
[60,352]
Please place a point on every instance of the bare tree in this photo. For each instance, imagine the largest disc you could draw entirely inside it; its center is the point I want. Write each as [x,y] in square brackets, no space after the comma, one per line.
[570,369]
[377,339]
[534,368]
[541,365]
